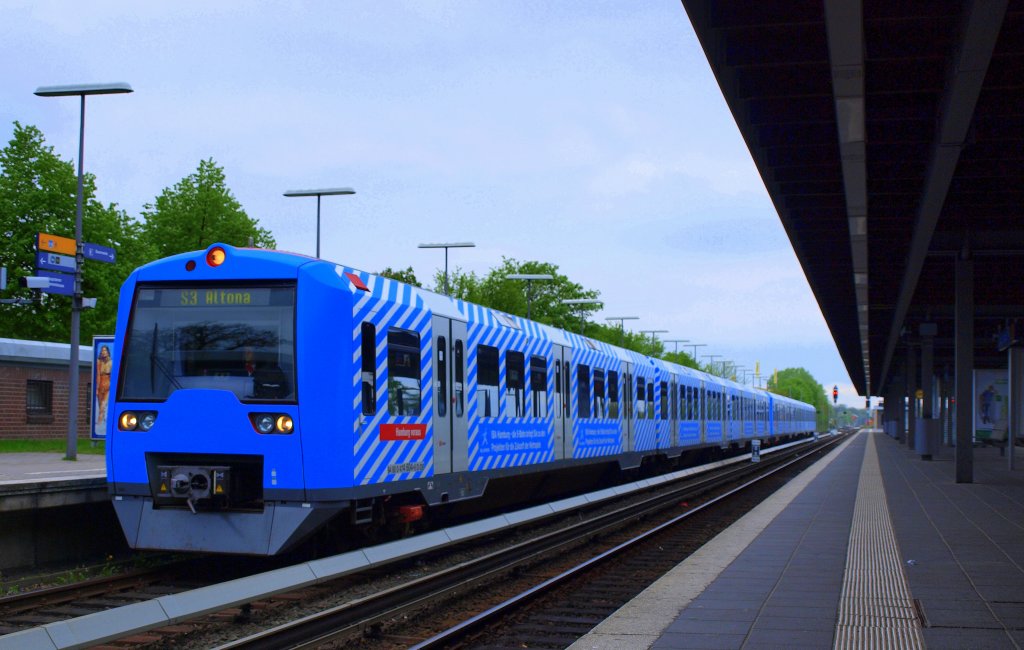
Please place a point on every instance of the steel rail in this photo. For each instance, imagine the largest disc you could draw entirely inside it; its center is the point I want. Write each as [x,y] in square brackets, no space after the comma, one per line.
[346,619]
[468,626]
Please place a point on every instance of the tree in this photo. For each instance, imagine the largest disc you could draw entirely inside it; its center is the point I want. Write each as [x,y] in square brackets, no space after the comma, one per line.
[406,275]
[197,212]
[499,292]
[682,359]
[38,194]
[799,384]
[461,285]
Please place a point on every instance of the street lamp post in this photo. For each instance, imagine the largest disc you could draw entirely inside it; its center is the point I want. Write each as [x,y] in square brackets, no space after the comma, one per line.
[530,278]
[711,364]
[676,342]
[622,325]
[446,246]
[79,90]
[582,301]
[652,333]
[742,369]
[333,191]
[695,346]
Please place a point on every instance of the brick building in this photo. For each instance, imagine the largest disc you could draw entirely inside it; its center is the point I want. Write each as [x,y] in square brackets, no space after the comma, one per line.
[34,389]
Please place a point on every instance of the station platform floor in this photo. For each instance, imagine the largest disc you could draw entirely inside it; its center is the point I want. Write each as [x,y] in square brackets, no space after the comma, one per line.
[42,467]
[871,547]
[41,480]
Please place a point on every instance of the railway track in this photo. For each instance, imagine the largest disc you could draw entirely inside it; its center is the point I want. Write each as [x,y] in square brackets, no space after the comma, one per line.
[515,597]
[407,602]
[81,598]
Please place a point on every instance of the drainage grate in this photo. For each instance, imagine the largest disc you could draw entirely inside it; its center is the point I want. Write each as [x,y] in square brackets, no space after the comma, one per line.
[875,609]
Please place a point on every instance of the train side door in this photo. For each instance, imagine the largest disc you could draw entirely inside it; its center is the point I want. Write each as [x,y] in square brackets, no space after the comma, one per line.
[443,405]
[458,398]
[450,430]
[673,398]
[567,414]
[702,414]
[559,406]
[629,407]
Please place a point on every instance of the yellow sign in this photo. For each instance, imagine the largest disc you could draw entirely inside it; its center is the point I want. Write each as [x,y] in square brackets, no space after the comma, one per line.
[54,244]
[919,394]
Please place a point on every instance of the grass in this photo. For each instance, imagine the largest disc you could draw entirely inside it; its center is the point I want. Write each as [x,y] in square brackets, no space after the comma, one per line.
[50,445]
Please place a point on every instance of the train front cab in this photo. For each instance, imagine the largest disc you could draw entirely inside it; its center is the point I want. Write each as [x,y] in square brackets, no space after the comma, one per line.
[205,447]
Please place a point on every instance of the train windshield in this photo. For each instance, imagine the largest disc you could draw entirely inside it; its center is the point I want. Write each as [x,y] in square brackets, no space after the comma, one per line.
[235,338]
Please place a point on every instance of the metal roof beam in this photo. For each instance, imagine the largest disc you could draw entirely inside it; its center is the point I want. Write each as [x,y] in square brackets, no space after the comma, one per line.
[980,27]
[844,23]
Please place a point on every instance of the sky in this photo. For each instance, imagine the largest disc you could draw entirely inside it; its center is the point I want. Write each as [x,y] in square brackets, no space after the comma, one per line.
[590,134]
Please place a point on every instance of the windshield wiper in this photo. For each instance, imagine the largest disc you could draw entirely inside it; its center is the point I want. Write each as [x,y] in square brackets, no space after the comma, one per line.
[156,362]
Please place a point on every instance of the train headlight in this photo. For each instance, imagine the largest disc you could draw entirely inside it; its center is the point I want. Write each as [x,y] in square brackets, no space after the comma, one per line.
[128,421]
[265,423]
[147,420]
[136,420]
[272,422]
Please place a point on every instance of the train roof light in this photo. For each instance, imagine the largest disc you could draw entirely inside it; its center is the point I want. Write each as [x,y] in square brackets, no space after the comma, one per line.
[215,256]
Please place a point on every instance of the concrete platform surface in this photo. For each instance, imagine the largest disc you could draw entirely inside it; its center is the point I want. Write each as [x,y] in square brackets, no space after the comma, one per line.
[873,547]
[50,466]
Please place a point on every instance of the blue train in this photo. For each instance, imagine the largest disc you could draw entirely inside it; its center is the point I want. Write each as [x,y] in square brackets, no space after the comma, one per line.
[262,396]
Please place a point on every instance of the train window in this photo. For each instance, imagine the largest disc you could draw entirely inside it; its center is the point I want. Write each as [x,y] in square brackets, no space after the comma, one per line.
[650,400]
[369,368]
[613,394]
[675,405]
[460,365]
[599,403]
[514,383]
[558,388]
[403,372]
[238,338]
[641,400]
[487,381]
[583,385]
[442,377]
[539,386]
[663,399]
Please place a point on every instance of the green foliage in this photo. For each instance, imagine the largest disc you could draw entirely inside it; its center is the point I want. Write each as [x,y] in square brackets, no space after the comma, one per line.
[406,275]
[197,212]
[497,291]
[801,385]
[682,359]
[55,445]
[38,194]
[462,285]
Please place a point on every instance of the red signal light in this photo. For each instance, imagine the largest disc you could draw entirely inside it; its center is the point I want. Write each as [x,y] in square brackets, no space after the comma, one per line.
[216,256]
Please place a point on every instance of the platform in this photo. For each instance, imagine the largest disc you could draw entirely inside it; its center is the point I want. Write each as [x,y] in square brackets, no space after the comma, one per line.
[42,480]
[872,547]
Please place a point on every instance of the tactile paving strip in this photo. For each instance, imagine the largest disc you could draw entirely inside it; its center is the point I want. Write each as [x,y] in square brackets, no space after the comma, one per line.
[875,608]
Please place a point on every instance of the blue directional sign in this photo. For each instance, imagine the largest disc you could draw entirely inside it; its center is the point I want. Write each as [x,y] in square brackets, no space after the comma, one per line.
[62,283]
[55,262]
[98,253]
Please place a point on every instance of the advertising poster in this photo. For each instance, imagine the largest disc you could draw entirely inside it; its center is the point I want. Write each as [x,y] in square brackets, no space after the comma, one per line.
[102,365]
[991,392]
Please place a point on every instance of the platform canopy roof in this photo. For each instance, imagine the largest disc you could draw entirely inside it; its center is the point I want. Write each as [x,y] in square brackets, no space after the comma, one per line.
[890,136]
